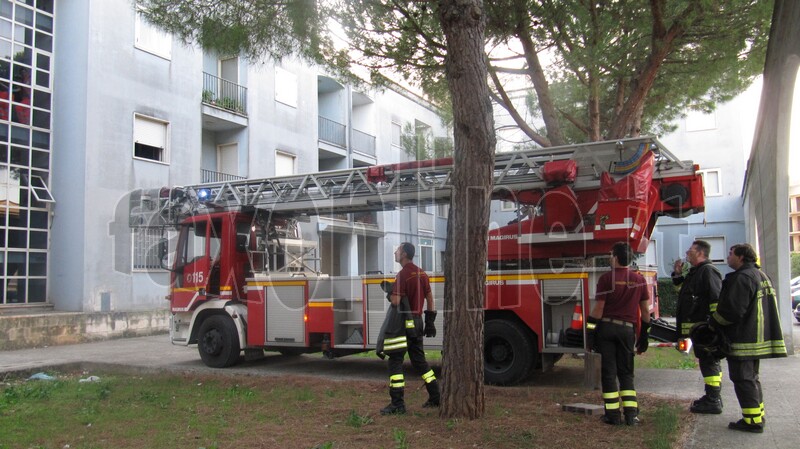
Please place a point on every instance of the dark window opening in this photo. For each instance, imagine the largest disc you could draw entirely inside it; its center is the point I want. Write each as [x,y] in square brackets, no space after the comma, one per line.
[147,152]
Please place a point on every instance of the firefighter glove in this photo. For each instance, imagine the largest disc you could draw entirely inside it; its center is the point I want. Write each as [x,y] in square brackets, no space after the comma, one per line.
[644,334]
[430,328]
[591,326]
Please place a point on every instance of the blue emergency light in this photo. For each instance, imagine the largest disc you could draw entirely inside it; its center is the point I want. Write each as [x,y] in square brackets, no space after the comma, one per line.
[203,194]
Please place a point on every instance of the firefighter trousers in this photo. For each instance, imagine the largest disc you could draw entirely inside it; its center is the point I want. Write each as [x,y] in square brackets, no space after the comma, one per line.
[744,375]
[416,353]
[710,369]
[615,343]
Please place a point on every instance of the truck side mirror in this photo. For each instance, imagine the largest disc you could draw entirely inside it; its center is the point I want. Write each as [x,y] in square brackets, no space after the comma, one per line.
[167,258]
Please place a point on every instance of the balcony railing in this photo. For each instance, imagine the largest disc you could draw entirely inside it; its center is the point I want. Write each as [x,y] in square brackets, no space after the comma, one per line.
[363,143]
[332,132]
[363,218]
[215,176]
[224,94]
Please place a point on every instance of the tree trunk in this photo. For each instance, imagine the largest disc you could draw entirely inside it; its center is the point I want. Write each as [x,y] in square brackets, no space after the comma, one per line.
[463,22]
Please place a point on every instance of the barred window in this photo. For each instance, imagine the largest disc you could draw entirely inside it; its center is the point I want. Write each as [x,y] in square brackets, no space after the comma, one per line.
[149,246]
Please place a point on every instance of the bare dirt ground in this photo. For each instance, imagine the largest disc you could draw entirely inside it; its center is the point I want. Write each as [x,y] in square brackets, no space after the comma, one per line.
[346,415]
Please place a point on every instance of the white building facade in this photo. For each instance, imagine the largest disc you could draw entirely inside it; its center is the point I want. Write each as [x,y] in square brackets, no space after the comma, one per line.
[133,108]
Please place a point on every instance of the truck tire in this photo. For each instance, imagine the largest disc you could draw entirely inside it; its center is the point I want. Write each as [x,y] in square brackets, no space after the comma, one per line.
[508,353]
[218,342]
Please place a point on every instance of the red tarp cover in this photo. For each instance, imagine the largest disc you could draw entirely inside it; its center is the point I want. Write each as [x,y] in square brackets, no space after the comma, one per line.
[560,171]
[635,186]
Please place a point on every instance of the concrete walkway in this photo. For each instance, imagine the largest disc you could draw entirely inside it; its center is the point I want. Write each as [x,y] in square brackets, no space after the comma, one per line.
[780,379]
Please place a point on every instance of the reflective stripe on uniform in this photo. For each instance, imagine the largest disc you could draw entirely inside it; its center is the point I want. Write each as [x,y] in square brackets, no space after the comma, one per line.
[395,343]
[629,398]
[428,377]
[397,381]
[591,326]
[761,348]
[409,324]
[752,415]
[713,381]
[611,400]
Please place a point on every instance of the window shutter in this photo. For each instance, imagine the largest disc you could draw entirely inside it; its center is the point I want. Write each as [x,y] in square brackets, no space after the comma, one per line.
[150,132]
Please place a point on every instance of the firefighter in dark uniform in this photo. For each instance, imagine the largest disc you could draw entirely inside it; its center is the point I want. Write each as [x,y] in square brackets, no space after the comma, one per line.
[621,302]
[747,314]
[413,283]
[697,300]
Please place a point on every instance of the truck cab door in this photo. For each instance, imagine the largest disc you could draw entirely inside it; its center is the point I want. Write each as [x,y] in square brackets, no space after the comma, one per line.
[198,248]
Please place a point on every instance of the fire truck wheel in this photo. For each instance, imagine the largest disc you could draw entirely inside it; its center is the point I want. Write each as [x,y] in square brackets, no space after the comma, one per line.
[508,353]
[218,342]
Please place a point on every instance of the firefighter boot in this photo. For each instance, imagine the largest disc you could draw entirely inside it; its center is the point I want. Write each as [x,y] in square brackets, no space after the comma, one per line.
[433,394]
[709,404]
[745,427]
[611,417]
[631,416]
[398,405]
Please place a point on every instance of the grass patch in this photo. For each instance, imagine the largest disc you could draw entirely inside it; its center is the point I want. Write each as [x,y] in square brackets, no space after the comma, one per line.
[659,358]
[666,426]
[665,358]
[356,420]
[209,411]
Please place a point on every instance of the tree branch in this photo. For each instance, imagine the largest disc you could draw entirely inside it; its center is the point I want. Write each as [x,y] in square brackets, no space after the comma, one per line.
[662,44]
[505,101]
[540,85]
[575,122]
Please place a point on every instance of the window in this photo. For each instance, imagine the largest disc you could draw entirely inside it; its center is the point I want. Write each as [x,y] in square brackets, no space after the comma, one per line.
[426,254]
[719,250]
[508,206]
[700,121]
[285,87]
[151,39]
[443,210]
[150,139]
[284,164]
[397,131]
[149,246]
[712,184]
[40,190]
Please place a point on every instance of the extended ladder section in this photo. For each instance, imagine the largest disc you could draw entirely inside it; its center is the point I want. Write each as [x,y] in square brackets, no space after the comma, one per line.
[386,187]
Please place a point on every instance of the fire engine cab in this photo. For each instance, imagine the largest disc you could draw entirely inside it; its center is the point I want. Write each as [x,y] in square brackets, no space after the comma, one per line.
[244,279]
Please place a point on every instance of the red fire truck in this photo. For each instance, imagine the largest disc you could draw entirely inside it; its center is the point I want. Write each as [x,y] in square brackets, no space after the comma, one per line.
[243,278]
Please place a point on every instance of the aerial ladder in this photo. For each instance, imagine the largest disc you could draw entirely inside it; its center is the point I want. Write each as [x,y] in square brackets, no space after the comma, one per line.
[242,280]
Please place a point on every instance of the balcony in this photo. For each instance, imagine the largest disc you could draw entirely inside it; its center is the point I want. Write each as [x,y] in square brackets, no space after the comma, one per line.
[363,143]
[332,132]
[358,223]
[224,94]
[215,176]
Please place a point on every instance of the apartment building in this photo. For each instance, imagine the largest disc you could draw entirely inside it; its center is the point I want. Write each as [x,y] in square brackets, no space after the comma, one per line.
[100,103]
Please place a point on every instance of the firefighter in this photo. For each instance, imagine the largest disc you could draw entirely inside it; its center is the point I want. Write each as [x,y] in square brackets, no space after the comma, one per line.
[621,303]
[747,315]
[697,300]
[412,283]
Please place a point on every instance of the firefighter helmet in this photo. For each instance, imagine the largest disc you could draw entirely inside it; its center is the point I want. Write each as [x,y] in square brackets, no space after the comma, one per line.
[708,339]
